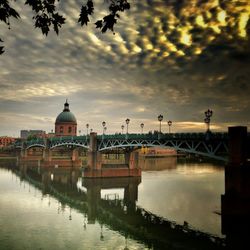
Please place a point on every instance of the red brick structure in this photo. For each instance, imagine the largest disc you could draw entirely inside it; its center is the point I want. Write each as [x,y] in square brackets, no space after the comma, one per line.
[65,124]
[5,141]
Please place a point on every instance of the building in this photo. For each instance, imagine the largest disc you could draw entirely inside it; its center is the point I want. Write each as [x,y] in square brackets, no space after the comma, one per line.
[65,124]
[26,133]
[6,141]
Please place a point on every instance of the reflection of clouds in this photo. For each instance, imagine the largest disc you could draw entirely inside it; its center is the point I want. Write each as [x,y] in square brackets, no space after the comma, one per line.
[174,57]
[178,194]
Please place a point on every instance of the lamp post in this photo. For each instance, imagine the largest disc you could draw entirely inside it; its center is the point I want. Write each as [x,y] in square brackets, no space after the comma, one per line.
[208,115]
[103,125]
[122,128]
[127,122]
[160,118]
[79,132]
[169,125]
[142,126]
[87,126]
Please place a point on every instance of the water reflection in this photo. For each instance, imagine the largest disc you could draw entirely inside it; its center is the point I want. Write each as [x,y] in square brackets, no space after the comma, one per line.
[161,211]
[119,209]
[158,164]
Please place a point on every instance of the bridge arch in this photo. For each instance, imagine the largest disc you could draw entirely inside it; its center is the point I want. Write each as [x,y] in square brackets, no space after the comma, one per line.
[208,154]
[36,145]
[65,144]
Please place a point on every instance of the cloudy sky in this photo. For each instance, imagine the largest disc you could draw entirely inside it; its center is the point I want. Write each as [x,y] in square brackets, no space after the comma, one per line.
[171,57]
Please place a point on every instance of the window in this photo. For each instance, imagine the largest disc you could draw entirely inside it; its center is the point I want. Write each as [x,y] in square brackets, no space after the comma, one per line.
[70,129]
[61,129]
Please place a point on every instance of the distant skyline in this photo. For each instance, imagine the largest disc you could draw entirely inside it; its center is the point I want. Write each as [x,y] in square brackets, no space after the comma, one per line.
[175,58]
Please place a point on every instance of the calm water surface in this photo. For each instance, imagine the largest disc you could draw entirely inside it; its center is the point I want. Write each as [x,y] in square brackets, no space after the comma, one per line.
[60,210]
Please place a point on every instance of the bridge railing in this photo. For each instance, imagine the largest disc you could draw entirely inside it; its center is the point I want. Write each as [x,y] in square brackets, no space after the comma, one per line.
[68,139]
[37,141]
[156,136]
[149,136]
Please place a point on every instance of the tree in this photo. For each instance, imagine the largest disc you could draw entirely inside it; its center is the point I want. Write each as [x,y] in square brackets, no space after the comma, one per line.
[46,15]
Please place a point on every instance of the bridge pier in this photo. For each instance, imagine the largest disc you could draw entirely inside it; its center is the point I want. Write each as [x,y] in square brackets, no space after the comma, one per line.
[131,193]
[235,203]
[47,155]
[96,168]
[94,157]
[24,153]
[132,159]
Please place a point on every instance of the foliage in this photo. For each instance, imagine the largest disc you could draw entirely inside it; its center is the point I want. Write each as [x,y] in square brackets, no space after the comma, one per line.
[47,16]
[32,137]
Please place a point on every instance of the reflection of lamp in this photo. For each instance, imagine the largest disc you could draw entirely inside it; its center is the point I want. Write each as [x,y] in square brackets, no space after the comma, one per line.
[126,247]
[101,236]
[85,222]
[70,216]
[49,201]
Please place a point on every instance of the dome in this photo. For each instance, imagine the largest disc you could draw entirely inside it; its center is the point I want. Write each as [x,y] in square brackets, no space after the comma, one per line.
[66,115]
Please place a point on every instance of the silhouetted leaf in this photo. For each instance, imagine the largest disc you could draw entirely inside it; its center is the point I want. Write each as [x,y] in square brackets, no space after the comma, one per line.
[1,50]
[3,15]
[98,24]
[90,6]
[43,22]
[49,6]
[57,21]
[35,4]
[13,13]
[109,22]
[83,19]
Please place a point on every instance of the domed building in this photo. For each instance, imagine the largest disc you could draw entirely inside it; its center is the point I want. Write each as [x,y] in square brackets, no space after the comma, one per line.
[65,124]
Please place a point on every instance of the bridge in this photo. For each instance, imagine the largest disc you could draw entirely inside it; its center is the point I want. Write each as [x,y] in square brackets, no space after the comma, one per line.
[211,145]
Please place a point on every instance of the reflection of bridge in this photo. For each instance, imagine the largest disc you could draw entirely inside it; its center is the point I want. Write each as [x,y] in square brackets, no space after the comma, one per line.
[123,215]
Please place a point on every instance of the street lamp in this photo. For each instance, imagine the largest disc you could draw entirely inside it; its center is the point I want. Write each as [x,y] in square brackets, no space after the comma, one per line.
[127,122]
[122,128]
[169,125]
[87,126]
[208,115]
[105,129]
[142,125]
[103,125]
[160,118]
[79,132]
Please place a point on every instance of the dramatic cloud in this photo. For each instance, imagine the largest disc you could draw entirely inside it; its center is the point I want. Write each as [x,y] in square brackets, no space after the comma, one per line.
[172,57]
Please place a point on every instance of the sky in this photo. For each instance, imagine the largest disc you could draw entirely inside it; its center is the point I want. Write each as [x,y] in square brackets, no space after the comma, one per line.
[177,58]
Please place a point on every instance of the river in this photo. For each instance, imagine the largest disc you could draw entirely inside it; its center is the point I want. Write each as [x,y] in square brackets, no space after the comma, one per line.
[58,209]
